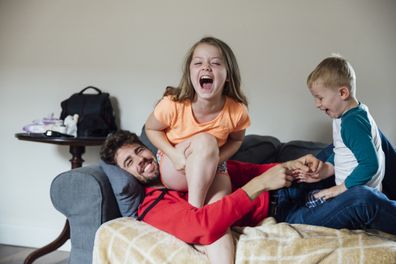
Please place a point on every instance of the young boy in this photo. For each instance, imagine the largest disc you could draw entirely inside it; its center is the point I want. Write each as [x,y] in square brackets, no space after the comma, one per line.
[358,158]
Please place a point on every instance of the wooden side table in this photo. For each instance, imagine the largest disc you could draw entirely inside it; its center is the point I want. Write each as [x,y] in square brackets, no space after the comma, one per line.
[76,149]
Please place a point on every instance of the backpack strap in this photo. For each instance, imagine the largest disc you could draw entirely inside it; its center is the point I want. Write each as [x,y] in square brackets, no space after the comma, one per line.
[159,198]
[91,87]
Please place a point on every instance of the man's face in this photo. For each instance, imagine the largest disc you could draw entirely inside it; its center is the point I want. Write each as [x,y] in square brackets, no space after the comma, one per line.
[138,161]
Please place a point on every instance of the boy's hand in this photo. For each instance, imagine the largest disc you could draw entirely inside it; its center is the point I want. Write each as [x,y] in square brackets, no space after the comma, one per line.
[331,192]
[308,177]
[305,164]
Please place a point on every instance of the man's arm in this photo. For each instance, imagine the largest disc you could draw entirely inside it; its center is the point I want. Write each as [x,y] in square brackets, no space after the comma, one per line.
[174,215]
[281,175]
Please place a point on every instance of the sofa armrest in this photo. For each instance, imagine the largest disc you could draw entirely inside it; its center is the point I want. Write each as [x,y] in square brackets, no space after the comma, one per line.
[84,195]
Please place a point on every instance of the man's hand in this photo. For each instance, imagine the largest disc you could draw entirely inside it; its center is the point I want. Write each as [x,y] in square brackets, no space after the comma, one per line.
[331,192]
[281,175]
[277,177]
[274,178]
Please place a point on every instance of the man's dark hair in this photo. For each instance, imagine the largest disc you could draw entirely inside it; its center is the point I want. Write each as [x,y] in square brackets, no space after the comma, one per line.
[114,142]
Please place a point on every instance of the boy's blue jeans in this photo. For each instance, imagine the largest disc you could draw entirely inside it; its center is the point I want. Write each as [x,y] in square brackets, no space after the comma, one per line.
[360,207]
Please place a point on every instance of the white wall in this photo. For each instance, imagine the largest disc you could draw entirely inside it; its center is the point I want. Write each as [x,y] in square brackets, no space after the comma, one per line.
[50,49]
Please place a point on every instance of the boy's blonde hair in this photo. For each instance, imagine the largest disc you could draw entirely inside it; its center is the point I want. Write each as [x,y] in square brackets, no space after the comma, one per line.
[232,87]
[334,72]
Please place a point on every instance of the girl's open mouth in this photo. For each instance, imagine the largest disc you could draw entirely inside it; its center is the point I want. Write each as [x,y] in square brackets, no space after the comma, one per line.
[206,82]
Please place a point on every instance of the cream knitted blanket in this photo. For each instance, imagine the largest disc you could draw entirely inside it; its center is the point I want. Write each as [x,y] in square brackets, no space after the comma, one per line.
[125,240]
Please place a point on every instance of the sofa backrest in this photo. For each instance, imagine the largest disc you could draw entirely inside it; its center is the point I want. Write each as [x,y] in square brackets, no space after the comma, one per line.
[258,149]
[298,148]
[261,149]
[267,149]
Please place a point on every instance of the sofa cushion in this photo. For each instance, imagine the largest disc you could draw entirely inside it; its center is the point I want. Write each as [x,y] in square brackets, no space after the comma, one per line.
[258,149]
[325,153]
[143,137]
[297,148]
[127,190]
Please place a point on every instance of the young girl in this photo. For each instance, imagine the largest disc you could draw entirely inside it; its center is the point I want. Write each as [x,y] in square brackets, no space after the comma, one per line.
[201,124]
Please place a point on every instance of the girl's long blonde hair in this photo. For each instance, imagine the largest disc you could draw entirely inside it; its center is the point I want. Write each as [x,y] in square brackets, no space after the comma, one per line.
[232,86]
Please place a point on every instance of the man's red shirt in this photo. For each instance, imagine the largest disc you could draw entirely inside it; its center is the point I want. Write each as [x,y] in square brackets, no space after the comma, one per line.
[174,215]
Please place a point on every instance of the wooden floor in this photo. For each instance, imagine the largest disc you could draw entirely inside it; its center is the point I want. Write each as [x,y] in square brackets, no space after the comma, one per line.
[17,255]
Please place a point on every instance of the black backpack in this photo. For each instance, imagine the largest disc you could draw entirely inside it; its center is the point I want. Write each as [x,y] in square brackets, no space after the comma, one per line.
[96,115]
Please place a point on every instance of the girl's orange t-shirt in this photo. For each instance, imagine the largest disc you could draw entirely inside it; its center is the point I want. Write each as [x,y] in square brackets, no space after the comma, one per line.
[182,125]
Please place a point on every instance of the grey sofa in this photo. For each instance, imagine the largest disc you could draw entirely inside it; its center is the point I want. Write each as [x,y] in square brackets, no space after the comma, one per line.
[85,196]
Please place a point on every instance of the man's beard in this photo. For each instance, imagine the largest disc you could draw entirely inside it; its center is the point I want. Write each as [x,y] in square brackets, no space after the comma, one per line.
[152,181]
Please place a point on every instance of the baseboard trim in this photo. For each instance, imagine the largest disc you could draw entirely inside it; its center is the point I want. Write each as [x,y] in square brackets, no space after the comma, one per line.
[35,237]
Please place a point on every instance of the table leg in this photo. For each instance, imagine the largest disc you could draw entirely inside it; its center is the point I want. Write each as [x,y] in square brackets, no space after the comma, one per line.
[59,241]
[77,152]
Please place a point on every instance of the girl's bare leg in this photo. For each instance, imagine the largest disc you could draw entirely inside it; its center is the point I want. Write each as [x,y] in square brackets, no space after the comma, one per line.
[204,186]
[223,249]
[201,165]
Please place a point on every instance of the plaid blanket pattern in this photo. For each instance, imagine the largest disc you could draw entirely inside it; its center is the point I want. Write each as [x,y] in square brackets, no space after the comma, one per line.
[125,240]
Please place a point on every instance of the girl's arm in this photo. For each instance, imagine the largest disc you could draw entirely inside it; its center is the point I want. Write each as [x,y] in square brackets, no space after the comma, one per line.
[232,145]
[155,132]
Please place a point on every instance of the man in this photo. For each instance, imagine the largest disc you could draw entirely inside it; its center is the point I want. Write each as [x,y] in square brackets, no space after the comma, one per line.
[168,210]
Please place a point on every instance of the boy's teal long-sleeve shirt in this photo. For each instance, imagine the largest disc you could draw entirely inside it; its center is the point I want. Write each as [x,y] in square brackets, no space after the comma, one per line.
[358,158]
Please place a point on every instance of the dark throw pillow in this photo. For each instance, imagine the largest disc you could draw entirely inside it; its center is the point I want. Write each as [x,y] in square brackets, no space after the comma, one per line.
[128,191]
[257,149]
[298,148]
